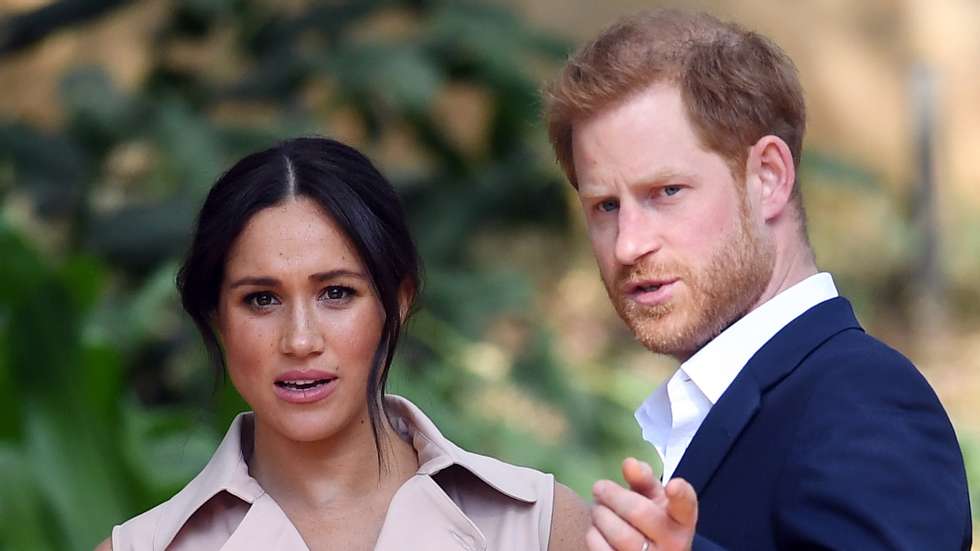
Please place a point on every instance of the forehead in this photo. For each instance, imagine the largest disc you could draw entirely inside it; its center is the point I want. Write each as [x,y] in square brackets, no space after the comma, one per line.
[647,133]
[294,235]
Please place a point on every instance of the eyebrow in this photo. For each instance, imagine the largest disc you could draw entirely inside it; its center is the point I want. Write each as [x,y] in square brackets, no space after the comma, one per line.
[265,281]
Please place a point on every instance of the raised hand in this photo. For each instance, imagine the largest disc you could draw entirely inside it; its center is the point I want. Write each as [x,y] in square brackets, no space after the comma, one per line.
[644,517]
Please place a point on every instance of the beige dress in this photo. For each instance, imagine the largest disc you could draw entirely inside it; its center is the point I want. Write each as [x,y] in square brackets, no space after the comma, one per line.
[457,500]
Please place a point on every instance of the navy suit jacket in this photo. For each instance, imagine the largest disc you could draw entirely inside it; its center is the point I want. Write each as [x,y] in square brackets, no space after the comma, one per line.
[828,439]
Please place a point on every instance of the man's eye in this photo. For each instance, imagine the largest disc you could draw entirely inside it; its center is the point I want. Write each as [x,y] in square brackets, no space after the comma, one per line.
[337,292]
[671,190]
[608,205]
[261,300]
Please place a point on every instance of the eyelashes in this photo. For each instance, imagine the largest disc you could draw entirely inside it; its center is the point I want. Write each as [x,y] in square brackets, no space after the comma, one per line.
[660,193]
[262,300]
[337,292]
[333,295]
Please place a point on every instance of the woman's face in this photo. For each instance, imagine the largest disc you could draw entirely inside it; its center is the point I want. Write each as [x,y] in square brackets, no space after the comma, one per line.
[299,322]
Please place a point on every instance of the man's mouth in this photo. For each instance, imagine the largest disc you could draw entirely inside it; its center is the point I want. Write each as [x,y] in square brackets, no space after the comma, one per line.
[648,286]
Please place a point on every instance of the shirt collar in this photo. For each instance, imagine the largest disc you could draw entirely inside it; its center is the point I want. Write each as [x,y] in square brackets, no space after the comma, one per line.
[228,471]
[715,366]
[436,453]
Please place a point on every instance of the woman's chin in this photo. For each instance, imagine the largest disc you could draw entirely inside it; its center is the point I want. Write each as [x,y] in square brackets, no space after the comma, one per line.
[303,426]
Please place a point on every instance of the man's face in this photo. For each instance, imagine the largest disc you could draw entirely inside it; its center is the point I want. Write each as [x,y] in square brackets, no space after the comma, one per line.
[679,246]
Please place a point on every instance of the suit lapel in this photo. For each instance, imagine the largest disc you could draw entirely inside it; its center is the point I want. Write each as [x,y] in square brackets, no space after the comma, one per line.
[718,432]
[740,402]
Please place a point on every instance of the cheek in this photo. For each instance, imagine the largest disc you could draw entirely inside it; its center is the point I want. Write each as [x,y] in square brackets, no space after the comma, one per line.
[247,344]
[602,237]
[353,339]
[701,232]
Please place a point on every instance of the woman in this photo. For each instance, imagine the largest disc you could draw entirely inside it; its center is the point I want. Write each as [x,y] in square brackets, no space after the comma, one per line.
[299,278]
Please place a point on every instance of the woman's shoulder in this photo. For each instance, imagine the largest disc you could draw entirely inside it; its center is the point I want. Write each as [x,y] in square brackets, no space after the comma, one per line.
[222,487]
[136,532]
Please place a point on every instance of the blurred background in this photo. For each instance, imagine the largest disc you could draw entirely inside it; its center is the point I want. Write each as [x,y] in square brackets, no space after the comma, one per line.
[116,117]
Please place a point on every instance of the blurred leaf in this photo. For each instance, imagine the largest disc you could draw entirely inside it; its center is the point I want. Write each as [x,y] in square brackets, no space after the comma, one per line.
[84,277]
[190,148]
[838,171]
[100,113]
[164,230]
[397,76]
[146,313]
[49,167]
[58,449]
[166,448]
[23,522]
[21,31]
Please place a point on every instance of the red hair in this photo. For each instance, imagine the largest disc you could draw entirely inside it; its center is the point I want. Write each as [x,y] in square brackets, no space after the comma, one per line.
[737,86]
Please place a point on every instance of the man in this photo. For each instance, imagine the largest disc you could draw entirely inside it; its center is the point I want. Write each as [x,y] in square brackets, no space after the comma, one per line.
[785,426]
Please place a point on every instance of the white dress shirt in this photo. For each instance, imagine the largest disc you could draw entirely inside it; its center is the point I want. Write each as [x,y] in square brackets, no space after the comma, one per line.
[671,415]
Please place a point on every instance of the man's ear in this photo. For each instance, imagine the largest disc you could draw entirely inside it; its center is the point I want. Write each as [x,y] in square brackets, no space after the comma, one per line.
[770,165]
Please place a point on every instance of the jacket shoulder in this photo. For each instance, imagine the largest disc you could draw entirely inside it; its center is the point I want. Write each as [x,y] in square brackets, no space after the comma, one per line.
[870,427]
[855,365]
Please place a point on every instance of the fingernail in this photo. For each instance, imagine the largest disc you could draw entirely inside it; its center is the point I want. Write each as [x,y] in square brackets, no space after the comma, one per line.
[598,488]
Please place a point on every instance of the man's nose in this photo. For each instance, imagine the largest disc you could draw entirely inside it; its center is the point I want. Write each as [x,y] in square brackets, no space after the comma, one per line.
[637,234]
[302,336]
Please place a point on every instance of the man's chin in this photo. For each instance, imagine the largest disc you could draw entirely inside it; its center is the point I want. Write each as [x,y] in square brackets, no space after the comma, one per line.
[665,336]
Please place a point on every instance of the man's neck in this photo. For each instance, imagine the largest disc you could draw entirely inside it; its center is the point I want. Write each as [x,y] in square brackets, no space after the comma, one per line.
[793,264]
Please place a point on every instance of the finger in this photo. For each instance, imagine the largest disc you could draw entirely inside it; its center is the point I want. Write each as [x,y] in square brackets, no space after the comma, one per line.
[615,531]
[595,542]
[682,502]
[646,516]
[639,475]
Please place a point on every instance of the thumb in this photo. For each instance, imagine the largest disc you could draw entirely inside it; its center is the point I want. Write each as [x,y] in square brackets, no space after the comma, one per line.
[682,502]
[639,476]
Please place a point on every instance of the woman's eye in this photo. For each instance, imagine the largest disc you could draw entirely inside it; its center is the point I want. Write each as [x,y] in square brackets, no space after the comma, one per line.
[337,292]
[261,300]
[608,205]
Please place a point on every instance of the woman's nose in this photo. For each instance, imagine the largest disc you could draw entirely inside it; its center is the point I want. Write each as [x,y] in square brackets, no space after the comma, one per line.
[302,336]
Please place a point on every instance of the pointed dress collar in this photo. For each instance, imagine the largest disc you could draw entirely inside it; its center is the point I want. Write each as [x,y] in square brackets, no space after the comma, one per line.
[420,512]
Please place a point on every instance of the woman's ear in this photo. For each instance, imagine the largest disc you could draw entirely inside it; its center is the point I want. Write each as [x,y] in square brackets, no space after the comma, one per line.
[214,321]
[406,296]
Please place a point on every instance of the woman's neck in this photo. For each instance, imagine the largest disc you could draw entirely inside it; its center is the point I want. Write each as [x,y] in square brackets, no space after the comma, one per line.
[333,472]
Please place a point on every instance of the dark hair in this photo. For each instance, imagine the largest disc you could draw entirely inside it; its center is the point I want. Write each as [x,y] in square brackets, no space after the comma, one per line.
[351,191]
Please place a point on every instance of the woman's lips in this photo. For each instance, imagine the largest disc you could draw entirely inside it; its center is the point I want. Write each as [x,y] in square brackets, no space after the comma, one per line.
[303,387]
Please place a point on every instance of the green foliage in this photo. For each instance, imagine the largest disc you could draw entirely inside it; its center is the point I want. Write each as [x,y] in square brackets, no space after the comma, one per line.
[107,404]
